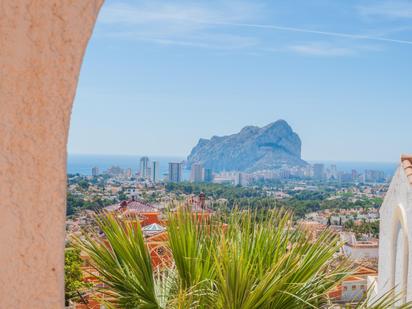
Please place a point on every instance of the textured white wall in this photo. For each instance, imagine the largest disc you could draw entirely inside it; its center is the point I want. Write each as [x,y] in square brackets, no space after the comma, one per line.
[360,253]
[42,43]
[396,210]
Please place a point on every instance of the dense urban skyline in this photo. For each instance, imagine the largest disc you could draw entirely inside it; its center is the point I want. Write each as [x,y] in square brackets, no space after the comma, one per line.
[157,77]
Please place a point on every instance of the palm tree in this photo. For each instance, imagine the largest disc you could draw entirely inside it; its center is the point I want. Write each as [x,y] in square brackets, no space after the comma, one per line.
[239,260]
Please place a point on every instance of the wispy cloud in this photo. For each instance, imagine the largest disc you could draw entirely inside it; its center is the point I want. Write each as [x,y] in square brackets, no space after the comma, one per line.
[319,32]
[220,42]
[180,23]
[393,9]
[326,49]
[321,49]
[219,24]
[161,11]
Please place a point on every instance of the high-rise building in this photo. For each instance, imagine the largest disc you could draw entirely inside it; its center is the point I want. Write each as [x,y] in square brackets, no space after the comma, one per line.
[207,175]
[197,173]
[144,164]
[333,172]
[155,171]
[239,179]
[345,177]
[128,172]
[115,171]
[318,171]
[95,171]
[355,176]
[175,172]
[374,176]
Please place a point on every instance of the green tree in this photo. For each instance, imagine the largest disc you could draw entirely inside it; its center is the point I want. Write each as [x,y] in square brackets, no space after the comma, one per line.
[83,184]
[121,196]
[73,203]
[73,278]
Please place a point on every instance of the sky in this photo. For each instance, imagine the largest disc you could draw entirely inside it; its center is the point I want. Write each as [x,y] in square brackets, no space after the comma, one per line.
[159,75]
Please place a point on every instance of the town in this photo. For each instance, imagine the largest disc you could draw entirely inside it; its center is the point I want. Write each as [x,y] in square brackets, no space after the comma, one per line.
[320,198]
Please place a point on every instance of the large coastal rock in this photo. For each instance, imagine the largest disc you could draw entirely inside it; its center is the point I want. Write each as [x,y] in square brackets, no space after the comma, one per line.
[252,149]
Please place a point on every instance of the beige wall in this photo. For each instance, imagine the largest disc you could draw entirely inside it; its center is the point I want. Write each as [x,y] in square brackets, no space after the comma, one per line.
[42,43]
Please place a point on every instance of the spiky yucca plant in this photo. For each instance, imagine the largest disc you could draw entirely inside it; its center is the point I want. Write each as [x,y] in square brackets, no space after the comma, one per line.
[240,260]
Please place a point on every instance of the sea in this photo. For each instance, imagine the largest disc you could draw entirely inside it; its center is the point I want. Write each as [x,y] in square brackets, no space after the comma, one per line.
[83,164]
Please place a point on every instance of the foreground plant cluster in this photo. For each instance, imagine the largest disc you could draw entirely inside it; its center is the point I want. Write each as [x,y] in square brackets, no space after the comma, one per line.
[237,260]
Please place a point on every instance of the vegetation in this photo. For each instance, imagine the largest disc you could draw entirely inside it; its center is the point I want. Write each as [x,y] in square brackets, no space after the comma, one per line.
[365,228]
[76,203]
[300,202]
[73,278]
[121,196]
[258,196]
[250,263]
[216,191]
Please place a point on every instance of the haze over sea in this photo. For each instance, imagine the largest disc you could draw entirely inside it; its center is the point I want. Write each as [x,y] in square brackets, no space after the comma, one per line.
[83,163]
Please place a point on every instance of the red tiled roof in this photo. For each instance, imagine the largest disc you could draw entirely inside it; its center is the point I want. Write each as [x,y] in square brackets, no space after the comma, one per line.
[141,207]
[133,207]
[353,278]
[362,270]
[406,161]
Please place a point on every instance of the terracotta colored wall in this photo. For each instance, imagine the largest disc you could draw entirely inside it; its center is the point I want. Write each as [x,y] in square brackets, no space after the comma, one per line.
[150,218]
[42,43]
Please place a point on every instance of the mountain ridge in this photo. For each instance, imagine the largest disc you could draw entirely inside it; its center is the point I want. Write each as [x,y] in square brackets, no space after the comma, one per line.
[251,149]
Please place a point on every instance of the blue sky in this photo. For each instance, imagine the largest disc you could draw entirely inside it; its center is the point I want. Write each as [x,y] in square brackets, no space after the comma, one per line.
[159,75]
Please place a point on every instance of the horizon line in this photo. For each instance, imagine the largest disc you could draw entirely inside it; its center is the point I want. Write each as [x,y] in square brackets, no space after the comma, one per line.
[185,156]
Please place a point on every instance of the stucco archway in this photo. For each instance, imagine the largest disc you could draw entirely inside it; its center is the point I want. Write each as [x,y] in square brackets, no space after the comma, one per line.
[399,255]
[395,261]
[42,46]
